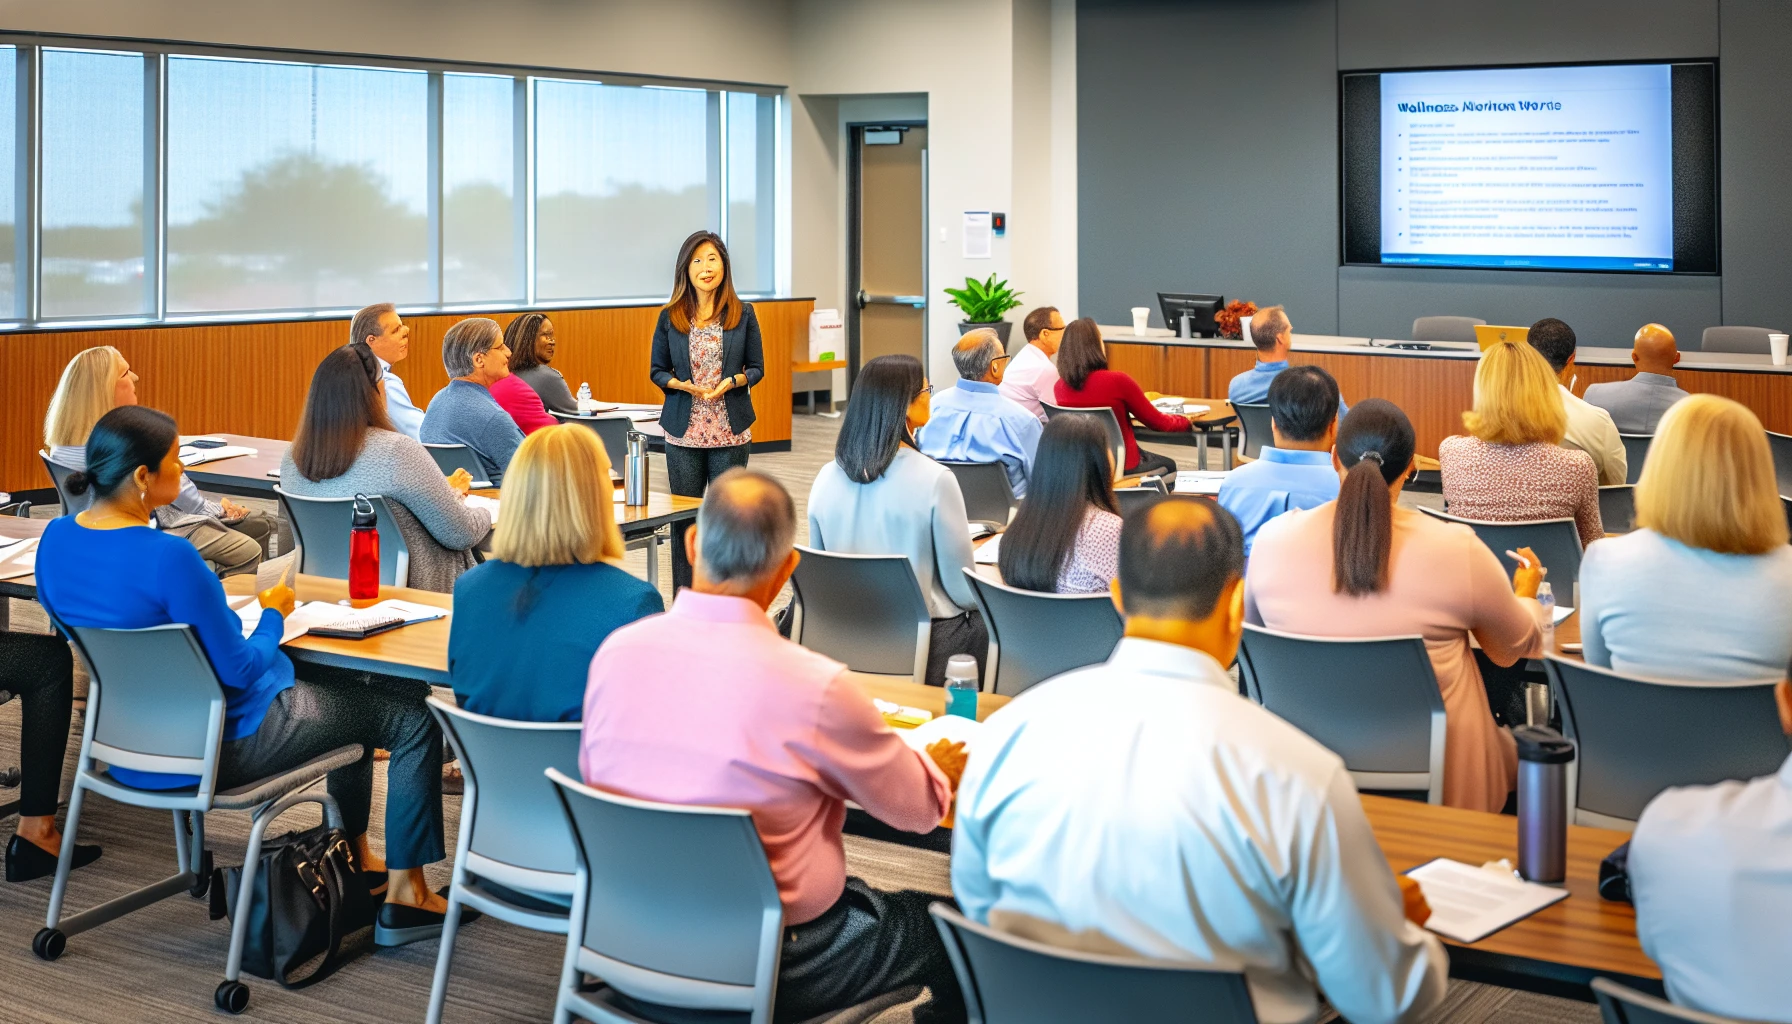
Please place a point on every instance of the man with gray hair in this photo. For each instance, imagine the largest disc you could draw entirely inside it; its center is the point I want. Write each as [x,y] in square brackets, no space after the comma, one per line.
[464,412]
[707,705]
[975,422]
[385,333]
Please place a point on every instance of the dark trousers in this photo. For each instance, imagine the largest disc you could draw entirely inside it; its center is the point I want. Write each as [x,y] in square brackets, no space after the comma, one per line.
[41,671]
[1151,462]
[962,634]
[688,473]
[310,719]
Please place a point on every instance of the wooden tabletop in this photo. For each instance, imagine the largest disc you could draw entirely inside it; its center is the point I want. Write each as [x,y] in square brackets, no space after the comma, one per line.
[244,475]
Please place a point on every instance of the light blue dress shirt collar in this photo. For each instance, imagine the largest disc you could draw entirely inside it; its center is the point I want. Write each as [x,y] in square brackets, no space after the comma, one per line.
[975,422]
[1295,456]
[1281,480]
[403,413]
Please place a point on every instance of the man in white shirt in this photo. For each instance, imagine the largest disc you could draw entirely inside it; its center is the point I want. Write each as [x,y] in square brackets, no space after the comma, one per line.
[1590,428]
[381,329]
[1031,375]
[1711,875]
[1142,806]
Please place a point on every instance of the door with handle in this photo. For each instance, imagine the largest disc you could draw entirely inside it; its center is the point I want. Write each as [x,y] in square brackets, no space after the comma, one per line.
[888,243]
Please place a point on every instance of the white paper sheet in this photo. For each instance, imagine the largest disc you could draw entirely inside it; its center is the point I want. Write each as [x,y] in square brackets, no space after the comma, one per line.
[305,614]
[978,231]
[1562,612]
[18,559]
[956,728]
[989,552]
[480,501]
[199,456]
[1469,903]
[1199,481]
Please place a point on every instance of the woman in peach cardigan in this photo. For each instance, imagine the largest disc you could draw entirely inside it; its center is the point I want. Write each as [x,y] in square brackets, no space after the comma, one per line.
[1362,566]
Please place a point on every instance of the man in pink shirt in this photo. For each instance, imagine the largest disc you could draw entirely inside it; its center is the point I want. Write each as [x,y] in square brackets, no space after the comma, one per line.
[707,705]
[1031,375]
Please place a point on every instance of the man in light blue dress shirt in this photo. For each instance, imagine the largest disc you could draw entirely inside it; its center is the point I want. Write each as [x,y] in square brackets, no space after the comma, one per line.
[1297,471]
[974,422]
[1273,335]
[381,329]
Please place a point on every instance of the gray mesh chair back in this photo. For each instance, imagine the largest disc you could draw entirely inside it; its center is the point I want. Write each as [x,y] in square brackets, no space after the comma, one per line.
[988,498]
[1636,452]
[673,905]
[1010,980]
[1736,339]
[1374,702]
[1034,636]
[1620,1004]
[321,527]
[1636,737]
[1445,328]
[1786,504]
[1134,498]
[155,702]
[1116,440]
[451,457]
[1256,428]
[611,428]
[864,610]
[1781,447]
[1556,542]
[1617,508]
[59,474]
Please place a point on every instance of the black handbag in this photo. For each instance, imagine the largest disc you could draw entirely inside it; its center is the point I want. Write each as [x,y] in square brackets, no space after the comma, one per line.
[309,912]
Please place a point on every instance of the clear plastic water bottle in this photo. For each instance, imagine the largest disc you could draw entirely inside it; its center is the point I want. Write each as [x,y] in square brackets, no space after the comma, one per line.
[584,398]
[961,686]
[1547,598]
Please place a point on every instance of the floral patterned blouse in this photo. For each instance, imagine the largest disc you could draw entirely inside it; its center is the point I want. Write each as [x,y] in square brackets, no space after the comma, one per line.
[709,417]
[1095,560]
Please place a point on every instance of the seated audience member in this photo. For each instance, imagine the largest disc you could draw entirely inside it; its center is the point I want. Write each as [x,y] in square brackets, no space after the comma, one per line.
[973,422]
[1713,890]
[464,412]
[1636,405]
[1512,467]
[1087,383]
[1273,335]
[747,719]
[530,338]
[41,672]
[381,329]
[1065,539]
[1296,471]
[1702,589]
[229,536]
[106,568]
[528,620]
[520,402]
[1032,376]
[1589,428]
[1363,566]
[346,446]
[881,496]
[1142,807]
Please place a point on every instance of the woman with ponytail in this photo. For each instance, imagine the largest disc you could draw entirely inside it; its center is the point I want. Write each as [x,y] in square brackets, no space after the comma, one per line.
[1363,566]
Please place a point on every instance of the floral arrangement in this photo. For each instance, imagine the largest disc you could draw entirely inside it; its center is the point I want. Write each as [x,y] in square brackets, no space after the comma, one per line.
[1228,320]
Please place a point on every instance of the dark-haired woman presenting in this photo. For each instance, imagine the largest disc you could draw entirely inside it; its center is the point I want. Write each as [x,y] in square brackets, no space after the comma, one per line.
[1363,566]
[1066,537]
[706,355]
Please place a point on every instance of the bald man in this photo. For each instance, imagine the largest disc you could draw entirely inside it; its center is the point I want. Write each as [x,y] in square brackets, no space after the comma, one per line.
[1636,404]
[975,422]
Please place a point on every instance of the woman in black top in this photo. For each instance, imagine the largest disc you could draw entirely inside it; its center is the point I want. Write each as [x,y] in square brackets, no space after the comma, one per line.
[706,355]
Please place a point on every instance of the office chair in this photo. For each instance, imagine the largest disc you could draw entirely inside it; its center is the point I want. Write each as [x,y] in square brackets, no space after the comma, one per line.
[1034,636]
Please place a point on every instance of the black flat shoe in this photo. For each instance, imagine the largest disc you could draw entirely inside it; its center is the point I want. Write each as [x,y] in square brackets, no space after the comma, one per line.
[25,860]
[400,925]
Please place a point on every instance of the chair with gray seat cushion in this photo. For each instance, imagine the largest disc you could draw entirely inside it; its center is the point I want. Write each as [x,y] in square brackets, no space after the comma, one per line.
[1751,340]
[1617,508]
[1116,440]
[988,497]
[154,704]
[1007,979]
[59,474]
[1556,543]
[1781,447]
[864,610]
[1620,1004]
[1256,428]
[1636,452]
[1637,736]
[1372,701]
[321,528]
[451,457]
[1446,328]
[611,428]
[515,859]
[1034,636]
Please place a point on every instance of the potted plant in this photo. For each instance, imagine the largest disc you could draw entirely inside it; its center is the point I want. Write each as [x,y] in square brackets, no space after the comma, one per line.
[983,304]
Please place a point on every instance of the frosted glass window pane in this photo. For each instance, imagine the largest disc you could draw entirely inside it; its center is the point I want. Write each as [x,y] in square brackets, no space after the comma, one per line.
[621,179]
[8,114]
[478,172]
[92,183]
[295,186]
[752,137]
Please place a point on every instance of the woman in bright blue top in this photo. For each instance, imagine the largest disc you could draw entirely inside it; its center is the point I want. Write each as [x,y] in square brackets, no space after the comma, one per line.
[107,568]
[527,622]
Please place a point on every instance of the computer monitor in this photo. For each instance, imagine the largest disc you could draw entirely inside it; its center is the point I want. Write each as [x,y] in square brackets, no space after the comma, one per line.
[1200,310]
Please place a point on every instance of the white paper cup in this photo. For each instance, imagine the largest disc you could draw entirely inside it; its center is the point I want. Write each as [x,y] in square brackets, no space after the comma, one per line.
[1141,319]
[1776,344]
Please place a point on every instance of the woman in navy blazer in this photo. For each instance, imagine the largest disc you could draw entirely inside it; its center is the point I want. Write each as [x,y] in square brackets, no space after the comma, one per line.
[706,357]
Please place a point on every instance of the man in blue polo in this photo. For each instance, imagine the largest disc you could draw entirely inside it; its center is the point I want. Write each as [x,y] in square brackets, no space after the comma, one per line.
[1273,335]
[974,422]
[1297,471]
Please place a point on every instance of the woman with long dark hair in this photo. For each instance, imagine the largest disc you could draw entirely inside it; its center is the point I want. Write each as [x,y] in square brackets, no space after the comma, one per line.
[881,496]
[532,347]
[1086,382]
[1364,566]
[706,357]
[1066,537]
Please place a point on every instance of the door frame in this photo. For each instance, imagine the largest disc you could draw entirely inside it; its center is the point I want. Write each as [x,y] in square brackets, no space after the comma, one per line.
[855,134]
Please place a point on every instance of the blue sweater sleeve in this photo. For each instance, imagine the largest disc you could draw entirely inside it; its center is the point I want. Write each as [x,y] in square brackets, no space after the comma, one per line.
[195,596]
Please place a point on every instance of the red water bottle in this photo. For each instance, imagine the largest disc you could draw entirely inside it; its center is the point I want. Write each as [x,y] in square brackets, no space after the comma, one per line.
[364,552]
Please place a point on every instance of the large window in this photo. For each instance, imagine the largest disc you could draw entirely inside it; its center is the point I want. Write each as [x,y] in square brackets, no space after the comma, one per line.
[171,184]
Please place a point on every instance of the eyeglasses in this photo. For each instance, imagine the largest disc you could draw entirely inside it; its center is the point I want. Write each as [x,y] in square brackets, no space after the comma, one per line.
[1000,359]
[926,389]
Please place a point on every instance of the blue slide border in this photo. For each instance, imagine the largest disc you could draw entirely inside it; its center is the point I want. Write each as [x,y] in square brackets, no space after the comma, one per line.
[1658,265]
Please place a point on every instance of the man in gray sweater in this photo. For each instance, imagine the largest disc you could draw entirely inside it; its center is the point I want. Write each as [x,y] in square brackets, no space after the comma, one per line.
[464,412]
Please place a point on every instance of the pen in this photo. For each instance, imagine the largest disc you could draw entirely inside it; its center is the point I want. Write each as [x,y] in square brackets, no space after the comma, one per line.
[1516,557]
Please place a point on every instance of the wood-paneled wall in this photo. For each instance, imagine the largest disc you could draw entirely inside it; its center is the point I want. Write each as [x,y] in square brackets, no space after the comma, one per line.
[251,378]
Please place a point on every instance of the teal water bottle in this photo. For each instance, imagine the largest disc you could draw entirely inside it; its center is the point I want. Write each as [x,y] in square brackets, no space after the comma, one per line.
[961,686]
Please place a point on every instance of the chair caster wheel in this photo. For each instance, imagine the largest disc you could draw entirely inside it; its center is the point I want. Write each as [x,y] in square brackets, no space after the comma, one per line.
[48,943]
[232,997]
[199,888]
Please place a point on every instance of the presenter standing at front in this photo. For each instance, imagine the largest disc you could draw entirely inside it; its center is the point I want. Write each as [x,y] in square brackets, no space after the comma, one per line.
[706,355]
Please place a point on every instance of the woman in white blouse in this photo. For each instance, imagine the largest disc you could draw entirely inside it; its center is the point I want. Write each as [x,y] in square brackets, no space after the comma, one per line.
[1066,537]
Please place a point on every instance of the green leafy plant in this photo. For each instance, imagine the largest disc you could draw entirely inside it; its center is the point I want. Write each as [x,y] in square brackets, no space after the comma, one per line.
[984,302]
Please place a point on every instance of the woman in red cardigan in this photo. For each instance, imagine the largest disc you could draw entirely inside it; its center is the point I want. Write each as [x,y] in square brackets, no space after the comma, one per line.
[1084,381]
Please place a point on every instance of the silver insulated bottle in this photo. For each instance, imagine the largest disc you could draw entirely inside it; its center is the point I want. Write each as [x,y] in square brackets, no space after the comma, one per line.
[1543,759]
[634,472]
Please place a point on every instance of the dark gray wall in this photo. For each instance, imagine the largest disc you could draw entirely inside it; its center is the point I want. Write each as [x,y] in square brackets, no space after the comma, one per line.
[1207,140]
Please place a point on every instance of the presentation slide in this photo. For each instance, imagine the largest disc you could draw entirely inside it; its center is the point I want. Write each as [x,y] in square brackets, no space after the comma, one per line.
[1547,168]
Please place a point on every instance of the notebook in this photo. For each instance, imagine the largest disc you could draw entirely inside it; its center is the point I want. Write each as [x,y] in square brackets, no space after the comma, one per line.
[1469,903]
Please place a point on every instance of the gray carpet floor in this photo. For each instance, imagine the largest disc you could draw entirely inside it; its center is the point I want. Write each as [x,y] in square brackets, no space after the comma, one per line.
[160,965]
